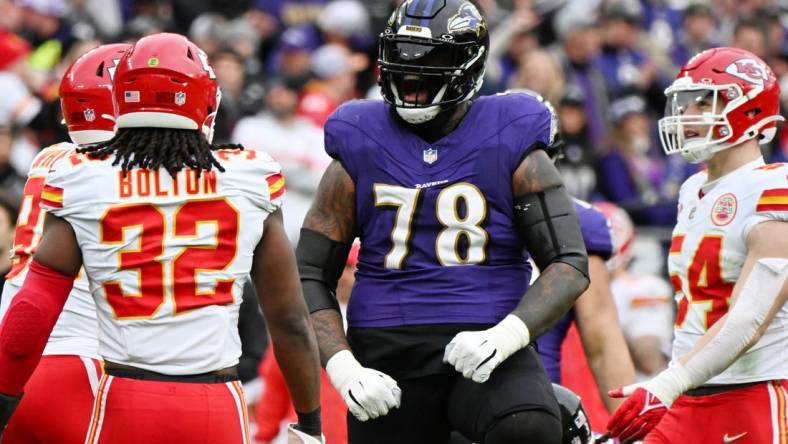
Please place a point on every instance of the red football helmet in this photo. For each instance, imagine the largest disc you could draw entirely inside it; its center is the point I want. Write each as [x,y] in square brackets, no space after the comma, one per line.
[735,94]
[86,94]
[165,81]
[622,231]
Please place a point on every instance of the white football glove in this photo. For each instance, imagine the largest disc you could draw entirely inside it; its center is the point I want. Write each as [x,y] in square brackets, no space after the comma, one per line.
[295,436]
[367,393]
[476,354]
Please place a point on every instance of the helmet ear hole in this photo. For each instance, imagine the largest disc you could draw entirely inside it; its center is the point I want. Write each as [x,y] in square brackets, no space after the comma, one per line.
[751,113]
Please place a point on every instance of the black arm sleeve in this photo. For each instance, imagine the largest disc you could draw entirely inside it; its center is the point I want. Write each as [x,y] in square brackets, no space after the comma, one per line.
[548,223]
[321,262]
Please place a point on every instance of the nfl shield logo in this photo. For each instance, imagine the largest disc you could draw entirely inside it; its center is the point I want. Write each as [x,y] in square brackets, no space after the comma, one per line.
[430,155]
[90,114]
[180,98]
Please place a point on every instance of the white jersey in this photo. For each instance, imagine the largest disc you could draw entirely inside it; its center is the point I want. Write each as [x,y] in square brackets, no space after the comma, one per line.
[298,146]
[645,308]
[167,258]
[75,331]
[707,253]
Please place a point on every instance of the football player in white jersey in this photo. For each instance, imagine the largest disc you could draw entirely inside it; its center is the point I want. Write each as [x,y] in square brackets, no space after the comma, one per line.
[728,262]
[70,360]
[168,227]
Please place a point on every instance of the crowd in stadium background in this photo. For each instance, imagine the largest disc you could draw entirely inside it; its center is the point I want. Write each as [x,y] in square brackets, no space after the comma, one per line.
[285,65]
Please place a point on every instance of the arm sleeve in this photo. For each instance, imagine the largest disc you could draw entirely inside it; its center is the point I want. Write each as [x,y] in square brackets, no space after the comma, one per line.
[28,323]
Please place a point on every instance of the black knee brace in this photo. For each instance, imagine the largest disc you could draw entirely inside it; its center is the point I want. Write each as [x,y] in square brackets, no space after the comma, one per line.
[525,427]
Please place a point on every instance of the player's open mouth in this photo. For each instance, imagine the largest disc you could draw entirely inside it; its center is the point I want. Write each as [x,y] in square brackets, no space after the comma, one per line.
[414,90]
[691,134]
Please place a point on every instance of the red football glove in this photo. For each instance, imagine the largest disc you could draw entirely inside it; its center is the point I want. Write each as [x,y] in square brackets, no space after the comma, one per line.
[640,413]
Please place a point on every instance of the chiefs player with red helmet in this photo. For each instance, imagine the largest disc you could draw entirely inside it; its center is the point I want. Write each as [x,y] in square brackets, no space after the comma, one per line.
[70,360]
[728,263]
[168,228]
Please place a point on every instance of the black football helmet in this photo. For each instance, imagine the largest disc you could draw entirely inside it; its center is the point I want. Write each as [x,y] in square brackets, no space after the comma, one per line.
[577,429]
[432,56]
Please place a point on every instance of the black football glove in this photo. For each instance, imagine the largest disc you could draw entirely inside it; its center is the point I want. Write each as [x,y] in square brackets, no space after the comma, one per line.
[7,406]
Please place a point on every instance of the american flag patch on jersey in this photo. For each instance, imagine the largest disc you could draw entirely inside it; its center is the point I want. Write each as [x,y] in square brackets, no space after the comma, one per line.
[773,200]
[276,185]
[52,196]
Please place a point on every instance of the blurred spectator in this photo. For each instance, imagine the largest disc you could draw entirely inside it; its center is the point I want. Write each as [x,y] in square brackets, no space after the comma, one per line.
[697,33]
[8,216]
[623,63]
[780,66]
[10,15]
[512,39]
[186,11]
[17,105]
[751,35]
[45,29]
[644,303]
[13,53]
[576,165]
[296,143]
[293,60]
[580,46]
[289,13]
[96,18]
[206,32]
[540,71]
[628,173]
[231,77]
[776,29]
[662,21]
[335,69]
[346,22]
[11,180]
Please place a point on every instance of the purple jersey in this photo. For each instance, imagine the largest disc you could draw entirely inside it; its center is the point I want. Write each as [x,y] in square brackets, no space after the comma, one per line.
[599,242]
[439,242]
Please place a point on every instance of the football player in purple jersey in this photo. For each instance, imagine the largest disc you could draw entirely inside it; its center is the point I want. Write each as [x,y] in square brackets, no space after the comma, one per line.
[450,195]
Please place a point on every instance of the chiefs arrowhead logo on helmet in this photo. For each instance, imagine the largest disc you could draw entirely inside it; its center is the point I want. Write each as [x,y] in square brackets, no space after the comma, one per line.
[748,70]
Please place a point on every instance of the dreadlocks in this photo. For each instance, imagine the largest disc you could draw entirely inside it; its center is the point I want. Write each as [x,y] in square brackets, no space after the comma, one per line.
[152,148]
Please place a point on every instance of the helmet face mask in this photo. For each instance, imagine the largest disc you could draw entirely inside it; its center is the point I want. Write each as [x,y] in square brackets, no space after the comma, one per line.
[695,123]
[721,98]
[432,60]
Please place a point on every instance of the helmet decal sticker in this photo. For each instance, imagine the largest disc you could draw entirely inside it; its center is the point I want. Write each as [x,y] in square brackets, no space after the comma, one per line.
[467,17]
[748,70]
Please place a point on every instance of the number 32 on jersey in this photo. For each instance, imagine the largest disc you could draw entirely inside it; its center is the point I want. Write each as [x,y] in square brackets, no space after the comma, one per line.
[447,211]
[145,258]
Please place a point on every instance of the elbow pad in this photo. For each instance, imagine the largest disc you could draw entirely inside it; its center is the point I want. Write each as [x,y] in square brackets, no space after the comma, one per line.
[321,262]
[549,225]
